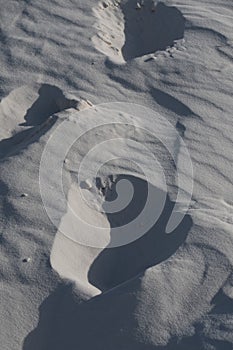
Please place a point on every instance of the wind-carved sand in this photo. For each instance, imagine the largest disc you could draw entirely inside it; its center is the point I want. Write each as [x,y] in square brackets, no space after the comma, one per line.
[131,297]
[99,270]
[131,29]
[155,289]
[34,108]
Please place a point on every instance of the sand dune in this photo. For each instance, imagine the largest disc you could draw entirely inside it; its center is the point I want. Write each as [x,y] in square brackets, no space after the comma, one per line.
[97,70]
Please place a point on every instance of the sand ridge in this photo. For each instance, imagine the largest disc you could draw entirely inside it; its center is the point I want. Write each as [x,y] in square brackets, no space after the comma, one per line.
[159,292]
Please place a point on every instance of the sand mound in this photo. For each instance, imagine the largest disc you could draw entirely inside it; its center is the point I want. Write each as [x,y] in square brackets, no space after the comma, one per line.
[29,111]
[110,30]
[178,296]
[131,29]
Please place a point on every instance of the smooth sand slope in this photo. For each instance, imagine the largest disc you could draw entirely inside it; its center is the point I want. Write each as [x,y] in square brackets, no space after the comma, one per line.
[63,287]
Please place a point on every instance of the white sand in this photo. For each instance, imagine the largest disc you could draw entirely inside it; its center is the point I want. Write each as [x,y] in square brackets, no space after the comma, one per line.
[162,291]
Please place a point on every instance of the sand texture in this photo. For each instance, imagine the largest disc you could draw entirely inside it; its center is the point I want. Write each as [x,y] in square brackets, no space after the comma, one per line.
[119,101]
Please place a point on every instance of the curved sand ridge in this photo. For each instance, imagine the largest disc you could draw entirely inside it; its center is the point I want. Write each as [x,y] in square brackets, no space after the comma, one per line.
[28,112]
[184,302]
[176,283]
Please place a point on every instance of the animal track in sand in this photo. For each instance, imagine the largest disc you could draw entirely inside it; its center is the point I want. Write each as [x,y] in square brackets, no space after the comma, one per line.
[101,269]
[130,29]
[117,265]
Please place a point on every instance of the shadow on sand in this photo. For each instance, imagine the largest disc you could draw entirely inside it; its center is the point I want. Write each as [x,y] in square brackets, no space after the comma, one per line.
[40,116]
[148,31]
[117,265]
[108,321]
